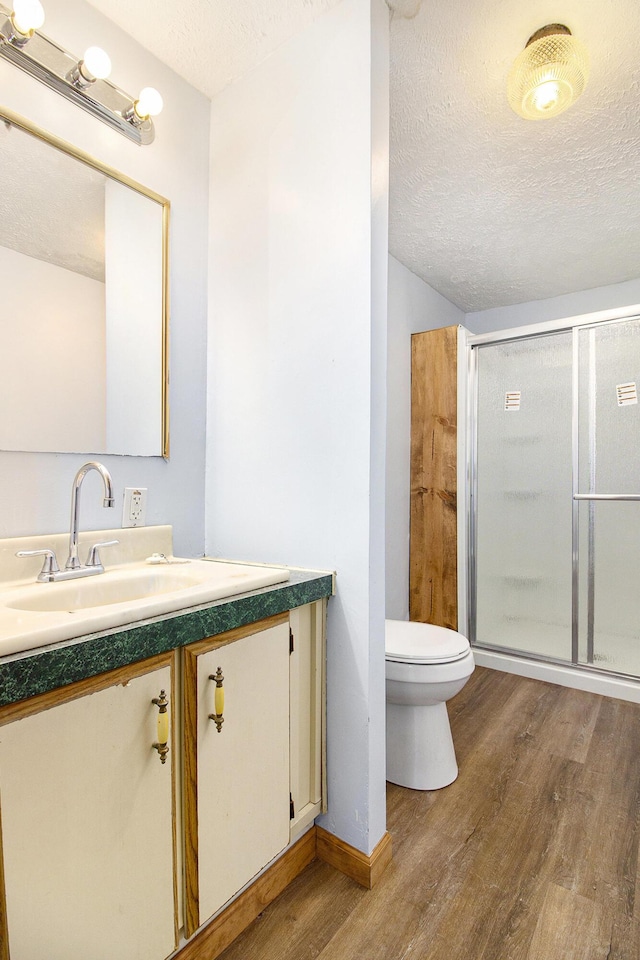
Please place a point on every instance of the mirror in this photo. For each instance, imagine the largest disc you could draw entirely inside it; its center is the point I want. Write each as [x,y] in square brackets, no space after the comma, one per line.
[84,310]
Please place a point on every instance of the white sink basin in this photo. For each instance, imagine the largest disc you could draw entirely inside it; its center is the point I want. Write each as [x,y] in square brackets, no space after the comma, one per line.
[215,579]
[40,613]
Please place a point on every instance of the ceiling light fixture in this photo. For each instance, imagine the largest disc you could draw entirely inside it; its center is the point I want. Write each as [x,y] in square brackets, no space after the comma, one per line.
[549,75]
[83,81]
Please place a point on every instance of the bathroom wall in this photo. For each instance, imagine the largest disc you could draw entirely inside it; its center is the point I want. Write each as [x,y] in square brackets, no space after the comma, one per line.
[35,488]
[296,431]
[38,341]
[554,308]
[413,306]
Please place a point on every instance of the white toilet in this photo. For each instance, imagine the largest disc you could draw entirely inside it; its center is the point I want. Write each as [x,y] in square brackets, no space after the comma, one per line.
[425,666]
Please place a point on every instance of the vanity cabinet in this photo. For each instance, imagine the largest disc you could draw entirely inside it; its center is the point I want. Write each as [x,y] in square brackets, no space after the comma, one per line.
[237,807]
[107,851]
[87,821]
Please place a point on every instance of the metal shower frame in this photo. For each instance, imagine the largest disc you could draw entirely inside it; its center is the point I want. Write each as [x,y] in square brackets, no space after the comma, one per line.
[468,449]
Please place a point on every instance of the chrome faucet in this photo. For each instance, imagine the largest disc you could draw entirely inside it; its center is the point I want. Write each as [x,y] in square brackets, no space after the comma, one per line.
[73,568]
[73,562]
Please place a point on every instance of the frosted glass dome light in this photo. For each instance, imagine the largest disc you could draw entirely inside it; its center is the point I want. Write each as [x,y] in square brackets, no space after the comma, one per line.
[549,75]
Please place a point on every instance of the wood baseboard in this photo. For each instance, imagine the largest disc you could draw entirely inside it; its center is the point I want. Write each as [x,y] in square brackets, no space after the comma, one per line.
[216,936]
[365,870]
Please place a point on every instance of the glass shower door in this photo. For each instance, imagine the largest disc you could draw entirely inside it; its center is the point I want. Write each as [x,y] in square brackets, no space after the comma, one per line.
[522,490]
[607,497]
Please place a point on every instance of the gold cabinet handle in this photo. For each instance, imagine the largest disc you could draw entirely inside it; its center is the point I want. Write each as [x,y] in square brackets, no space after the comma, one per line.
[162,746]
[218,704]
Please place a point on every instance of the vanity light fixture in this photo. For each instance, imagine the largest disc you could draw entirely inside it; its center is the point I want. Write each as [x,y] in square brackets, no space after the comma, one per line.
[549,75]
[83,81]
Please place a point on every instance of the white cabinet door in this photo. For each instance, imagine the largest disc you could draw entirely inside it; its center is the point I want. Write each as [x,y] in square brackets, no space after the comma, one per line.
[87,825]
[237,781]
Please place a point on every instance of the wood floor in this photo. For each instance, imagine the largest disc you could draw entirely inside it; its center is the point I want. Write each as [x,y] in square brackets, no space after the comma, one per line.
[532,854]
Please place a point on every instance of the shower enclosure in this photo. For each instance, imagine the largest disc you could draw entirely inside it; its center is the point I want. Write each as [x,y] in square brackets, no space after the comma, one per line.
[555,494]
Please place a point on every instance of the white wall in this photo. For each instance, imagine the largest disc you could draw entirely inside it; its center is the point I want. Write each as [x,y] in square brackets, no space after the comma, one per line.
[413,306]
[35,488]
[39,346]
[295,442]
[133,282]
[555,308]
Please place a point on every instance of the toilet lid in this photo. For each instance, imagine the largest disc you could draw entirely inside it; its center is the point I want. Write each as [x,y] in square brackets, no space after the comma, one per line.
[407,640]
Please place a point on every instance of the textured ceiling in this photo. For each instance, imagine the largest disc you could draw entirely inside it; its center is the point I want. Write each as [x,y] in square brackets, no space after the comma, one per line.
[211,43]
[491,209]
[488,208]
[51,205]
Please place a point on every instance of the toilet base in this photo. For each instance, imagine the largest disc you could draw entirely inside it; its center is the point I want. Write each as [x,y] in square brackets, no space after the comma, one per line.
[420,752]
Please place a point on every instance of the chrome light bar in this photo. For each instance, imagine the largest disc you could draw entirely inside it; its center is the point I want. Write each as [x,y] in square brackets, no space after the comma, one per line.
[47,61]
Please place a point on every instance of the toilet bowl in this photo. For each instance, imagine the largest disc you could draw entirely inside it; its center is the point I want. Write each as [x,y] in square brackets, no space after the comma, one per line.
[425,666]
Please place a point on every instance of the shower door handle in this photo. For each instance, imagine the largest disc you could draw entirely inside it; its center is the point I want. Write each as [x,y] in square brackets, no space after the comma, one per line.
[606,496]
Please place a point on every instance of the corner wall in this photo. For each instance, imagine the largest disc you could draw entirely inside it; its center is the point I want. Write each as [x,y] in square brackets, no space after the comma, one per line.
[35,488]
[295,438]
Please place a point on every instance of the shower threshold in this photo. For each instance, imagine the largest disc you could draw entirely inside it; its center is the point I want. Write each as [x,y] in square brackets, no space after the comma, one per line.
[579,676]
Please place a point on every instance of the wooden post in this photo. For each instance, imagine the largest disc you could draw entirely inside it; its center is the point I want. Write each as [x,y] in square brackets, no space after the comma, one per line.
[433,581]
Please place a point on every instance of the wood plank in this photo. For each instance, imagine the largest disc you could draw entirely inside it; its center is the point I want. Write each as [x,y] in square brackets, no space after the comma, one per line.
[212,940]
[570,926]
[482,899]
[613,752]
[598,849]
[597,855]
[375,932]
[190,793]
[304,919]
[625,939]
[570,728]
[364,869]
[433,535]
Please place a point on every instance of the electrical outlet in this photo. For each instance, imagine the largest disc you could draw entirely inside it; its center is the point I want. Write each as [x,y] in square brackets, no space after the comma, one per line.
[134,509]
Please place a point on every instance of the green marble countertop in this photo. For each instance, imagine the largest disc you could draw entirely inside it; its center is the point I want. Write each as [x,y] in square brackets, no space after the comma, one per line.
[47,668]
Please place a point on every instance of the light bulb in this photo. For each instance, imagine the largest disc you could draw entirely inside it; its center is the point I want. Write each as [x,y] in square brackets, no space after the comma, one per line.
[97,63]
[27,15]
[546,95]
[148,104]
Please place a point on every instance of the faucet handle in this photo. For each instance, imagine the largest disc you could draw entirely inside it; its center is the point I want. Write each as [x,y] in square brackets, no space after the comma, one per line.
[93,559]
[49,567]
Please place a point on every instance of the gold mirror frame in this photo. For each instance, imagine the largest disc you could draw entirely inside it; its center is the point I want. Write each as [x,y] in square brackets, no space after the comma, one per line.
[21,123]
